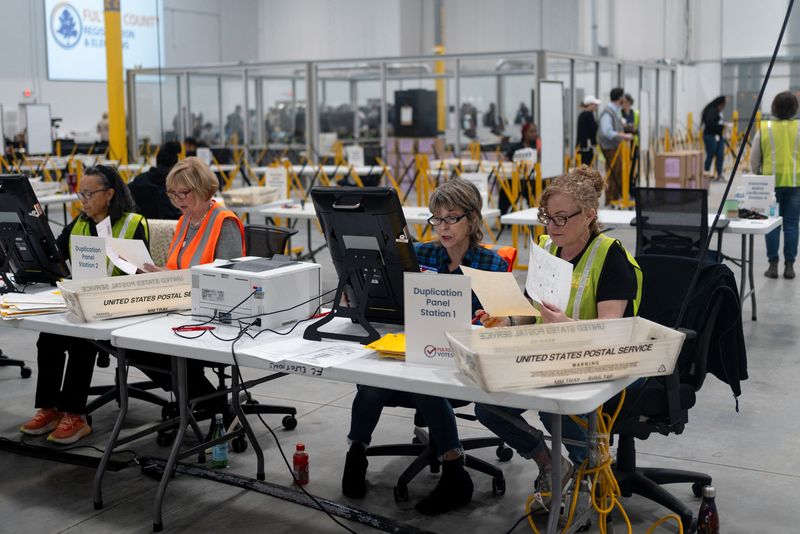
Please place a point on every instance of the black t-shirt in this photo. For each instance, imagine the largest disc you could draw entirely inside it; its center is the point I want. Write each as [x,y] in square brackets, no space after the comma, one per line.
[617,279]
[587,130]
[712,121]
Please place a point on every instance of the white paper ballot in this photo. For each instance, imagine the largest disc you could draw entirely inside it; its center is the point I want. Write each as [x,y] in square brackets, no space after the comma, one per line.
[549,278]
[499,293]
[104,228]
[127,254]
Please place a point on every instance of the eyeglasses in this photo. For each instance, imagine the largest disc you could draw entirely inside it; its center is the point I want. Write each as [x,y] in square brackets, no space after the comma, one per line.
[450,219]
[179,195]
[558,220]
[87,195]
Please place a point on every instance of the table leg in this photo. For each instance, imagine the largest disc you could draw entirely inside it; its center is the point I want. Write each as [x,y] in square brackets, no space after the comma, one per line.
[752,277]
[122,384]
[743,267]
[236,387]
[308,236]
[179,369]
[555,475]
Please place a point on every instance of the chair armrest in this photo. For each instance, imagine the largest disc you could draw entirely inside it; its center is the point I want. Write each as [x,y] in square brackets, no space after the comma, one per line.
[690,334]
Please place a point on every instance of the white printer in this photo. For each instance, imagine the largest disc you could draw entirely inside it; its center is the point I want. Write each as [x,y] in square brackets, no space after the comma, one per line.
[259,292]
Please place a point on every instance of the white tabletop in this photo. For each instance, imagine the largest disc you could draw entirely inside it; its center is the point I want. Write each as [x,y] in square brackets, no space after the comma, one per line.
[67,325]
[293,210]
[157,336]
[57,199]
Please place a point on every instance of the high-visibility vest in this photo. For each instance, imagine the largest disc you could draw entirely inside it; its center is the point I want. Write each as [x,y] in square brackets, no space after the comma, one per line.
[780,141]
[201,248]
[586,275]
[125,227]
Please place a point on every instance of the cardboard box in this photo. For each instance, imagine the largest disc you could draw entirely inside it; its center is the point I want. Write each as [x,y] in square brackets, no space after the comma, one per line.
[680,169]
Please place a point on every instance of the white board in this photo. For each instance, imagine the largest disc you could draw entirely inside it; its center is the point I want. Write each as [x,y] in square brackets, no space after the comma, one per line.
[37,123]
[644,121]
[551,128]
[2,132]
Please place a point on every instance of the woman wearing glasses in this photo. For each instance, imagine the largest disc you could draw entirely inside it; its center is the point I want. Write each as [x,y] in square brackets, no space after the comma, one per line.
[456,208]
[61,408]
[606,284]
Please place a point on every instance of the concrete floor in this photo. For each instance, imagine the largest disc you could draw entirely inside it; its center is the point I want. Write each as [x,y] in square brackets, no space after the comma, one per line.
[751,455]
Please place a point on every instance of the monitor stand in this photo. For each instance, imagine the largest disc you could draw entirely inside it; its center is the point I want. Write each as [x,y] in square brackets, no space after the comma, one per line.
[356,262]
[8,285]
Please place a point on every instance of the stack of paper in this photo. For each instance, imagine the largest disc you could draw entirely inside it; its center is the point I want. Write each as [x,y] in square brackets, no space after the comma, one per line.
[19,305]
[390,346]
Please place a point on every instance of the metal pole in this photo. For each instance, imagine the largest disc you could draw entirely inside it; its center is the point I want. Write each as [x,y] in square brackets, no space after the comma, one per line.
[246,133]
[133,134]
[354,107]
[189,119]
[311,120]
[458,108]
[222,140]
[384,116]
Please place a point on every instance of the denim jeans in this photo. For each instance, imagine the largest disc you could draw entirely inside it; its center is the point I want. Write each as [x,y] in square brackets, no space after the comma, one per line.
[789,204]
[437,412]
[716,149]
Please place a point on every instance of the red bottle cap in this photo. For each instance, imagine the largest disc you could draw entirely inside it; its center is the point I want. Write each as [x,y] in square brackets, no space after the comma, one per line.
[301,447]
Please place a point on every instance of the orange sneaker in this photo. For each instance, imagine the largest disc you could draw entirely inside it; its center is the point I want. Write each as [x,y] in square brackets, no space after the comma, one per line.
[45,420]
[71,428]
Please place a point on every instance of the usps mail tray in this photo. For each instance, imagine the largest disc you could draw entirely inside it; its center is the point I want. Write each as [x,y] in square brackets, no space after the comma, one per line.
[534,356]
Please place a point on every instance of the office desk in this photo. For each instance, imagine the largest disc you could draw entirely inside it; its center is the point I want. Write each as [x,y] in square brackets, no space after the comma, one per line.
[747,228]
[367,369]
[62,198]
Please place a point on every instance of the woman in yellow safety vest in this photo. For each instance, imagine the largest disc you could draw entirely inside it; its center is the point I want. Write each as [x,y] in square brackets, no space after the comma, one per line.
[61,407]
[776,149]
[606,284]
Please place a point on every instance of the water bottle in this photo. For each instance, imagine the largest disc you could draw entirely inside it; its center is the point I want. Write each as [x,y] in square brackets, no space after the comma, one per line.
[708,517]
[739,196]
[219,452]
[773,205]
[300,465]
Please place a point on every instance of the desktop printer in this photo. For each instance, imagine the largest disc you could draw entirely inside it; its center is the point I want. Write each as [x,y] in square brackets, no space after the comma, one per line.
[254,292]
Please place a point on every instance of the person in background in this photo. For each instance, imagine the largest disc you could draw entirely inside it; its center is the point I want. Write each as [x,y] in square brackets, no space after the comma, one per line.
[62,385]
[456,208]
[530,139]
[102,127]
[630,118]
[606,284]
[207,136]
[713,140]
[190,146]
[149,189]
[523,114]
[775,152]
[612,133]
[587,129]
[235,125]
[206,231]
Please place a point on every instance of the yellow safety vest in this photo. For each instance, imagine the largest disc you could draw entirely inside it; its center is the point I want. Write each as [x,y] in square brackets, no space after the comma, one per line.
[125,227]
[779,151]
[586,274]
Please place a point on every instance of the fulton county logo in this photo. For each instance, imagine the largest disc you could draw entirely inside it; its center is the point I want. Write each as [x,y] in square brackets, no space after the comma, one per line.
[66,25]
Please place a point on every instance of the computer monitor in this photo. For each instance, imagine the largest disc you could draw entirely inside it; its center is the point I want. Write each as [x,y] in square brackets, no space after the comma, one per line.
[371,248]
[27,247]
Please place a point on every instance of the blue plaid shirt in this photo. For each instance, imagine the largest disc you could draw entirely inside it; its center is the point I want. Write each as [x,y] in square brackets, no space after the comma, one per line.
[433,257]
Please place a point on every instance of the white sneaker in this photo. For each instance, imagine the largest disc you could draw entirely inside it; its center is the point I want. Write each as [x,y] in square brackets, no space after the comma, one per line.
[543,489]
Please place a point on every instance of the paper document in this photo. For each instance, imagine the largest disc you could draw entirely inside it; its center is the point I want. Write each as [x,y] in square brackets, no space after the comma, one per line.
[104,228]
[549,278]
[317,353]
[127,254]
[499,293]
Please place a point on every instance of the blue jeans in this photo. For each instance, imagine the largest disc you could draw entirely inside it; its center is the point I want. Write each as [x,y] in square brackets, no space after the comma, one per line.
[789,204]
[525,439]
[716,149]
[437,412]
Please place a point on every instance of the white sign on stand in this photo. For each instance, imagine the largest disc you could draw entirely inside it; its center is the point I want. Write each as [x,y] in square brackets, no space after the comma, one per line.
[758,191]
[276,177]
[481,181]
[204,155]
[88,257]
[355,155]
[434,304]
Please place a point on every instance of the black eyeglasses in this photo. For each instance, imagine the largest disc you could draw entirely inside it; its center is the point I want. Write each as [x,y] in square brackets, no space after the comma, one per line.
[179,195]
[558,220]
[87,195]
[450,219]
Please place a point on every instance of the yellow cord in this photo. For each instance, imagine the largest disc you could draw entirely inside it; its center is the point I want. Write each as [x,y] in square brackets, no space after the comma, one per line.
[605,491]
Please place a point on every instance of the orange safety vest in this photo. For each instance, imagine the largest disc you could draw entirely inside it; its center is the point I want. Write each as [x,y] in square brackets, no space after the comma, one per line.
[201,248]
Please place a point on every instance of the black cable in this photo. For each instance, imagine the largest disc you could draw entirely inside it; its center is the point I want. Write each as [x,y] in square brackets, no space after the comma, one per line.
[707,242]
[520,520]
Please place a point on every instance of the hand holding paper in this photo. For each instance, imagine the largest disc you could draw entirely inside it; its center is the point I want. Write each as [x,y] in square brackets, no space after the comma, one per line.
[129,255]
[499,293]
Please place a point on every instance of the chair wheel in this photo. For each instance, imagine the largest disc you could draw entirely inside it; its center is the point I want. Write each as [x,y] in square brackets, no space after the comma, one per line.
[289,422]
[401,493]
[504,453]
[697,489]
[239,444]
[165,439]
[25,372]
[499,486]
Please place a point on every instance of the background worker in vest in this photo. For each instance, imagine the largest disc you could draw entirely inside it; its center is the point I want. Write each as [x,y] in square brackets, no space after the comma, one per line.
[206,231]
[775,152]
[61,396]
[612,289]
[630,118]
[612,133]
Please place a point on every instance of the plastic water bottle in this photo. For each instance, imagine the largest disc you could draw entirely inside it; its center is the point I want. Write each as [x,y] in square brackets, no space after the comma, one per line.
[300,465]
[773,205]
[739,196]
[708,517]
[219,452]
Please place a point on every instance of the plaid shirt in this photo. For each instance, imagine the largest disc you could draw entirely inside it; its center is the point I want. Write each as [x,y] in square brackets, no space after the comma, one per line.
[433,257]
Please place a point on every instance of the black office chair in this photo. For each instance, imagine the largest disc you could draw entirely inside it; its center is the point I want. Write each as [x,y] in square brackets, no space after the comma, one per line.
[663,404]
[24,370]
[266,241]
[673,222]
[423,448]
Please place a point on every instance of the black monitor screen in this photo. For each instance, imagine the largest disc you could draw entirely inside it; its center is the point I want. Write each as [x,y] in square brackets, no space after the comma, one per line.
[369,219]
[27,245]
